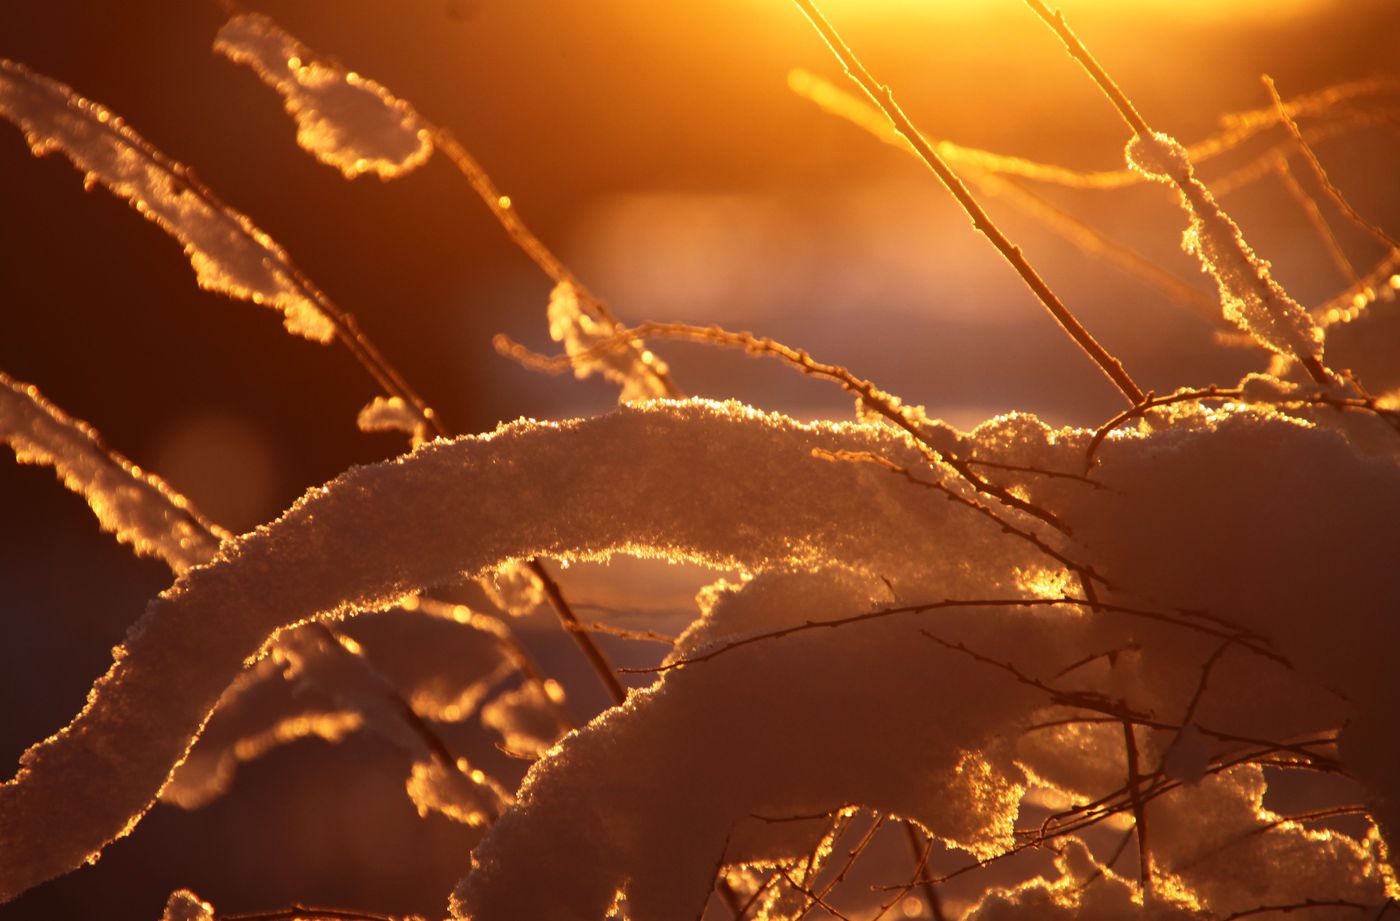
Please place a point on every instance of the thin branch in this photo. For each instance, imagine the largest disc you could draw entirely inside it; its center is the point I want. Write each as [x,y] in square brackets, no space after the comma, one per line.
[1307,905]
[1006,526]
[1000,176]
[814,898]
[1337,103]
[877,400]
[852,856]
[920,849]
[1095,656]
[1195,196]
[601,666]
[1185,621]
[307,913]
[1139,812]
[1036,471]
[1124,106]
[1315,217]
[1335,193]
[882,97]
[641,636]
[504,210]
[1356,404]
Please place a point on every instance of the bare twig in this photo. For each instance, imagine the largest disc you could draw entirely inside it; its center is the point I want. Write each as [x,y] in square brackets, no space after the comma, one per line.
[1355,404]
[1311,157]
[1185,620]
[871,396]
[1315,217]
[503,208]
[308,913]
[1307,905]
[883,98]
[1195,196]
[1007,527]
[920,849]
[1139,808]
[601,666]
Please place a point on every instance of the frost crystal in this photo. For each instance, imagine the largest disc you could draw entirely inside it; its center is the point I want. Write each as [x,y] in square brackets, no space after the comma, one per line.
[229,254]
[343,119]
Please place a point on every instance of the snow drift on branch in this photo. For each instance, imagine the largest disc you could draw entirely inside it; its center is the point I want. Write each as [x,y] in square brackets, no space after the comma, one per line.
[343,119]
[229,254]
[637,371]
[1249,295]
[136,506]
[940,605]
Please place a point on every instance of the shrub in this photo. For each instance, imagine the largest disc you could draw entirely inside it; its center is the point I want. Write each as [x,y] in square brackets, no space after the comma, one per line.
[1102,644]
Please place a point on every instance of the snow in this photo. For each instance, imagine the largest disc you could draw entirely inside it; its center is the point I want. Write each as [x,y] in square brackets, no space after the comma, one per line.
[778,700]
[229,253]
[634,368]
[343,119]
[136,506]
[1249,295]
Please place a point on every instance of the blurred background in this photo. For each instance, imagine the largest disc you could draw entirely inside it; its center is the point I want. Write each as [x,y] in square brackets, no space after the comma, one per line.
[658,149]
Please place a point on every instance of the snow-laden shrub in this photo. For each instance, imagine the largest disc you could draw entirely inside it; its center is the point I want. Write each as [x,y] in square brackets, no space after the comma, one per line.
[1012,639]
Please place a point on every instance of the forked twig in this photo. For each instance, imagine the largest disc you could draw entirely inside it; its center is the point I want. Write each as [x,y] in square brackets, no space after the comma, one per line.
[1186,620]
[1198,200]
[1306,905]
[1007,527]
[883,98]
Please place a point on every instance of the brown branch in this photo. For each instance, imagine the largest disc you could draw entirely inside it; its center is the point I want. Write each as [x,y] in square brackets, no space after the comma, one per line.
[503,209]
[308,913]
[1296,906]
[882,97]
[877,400]
[1195,196]
[952,496]
[1356,404]
[601,666]
[1035,471]
[1139,808]
[641,636]
[1316,219]
[920,850]
[1150,402]
[1185,621]
[1095,656]
[1124,106]
[852,856]
[1331,188]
